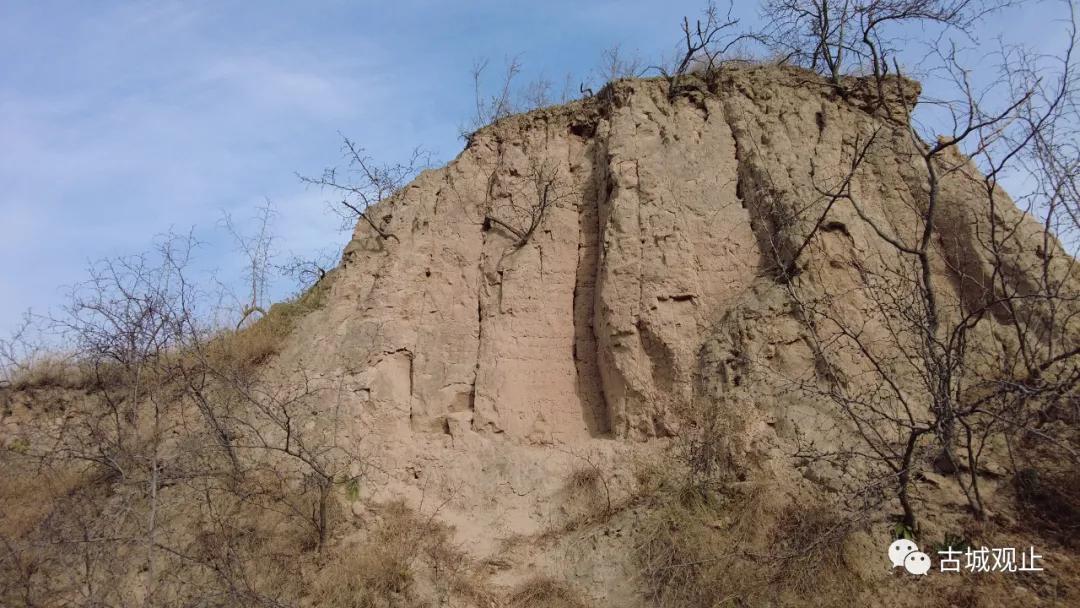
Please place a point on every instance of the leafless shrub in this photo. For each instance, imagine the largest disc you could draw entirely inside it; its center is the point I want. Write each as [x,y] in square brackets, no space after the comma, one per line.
[1050,115]
[590,488]
[281,425]
[20,351]
[401,549]
[704,44]
[737,546]
[258,253]
[830,35]
[492,108]
[308,270]
[175,421]
[566,91]
[933,386]
[588,480]
[124,322]
[363,183]
[538,93]
[57,509]
[614,64]
[808,543]
[508,98]
[521,208]
[127,322]
[545,592]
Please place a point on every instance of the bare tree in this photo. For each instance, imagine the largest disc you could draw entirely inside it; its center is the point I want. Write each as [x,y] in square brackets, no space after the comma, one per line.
[492,108]
[310,269]
[932,379]
[814,32]
[541,92]
[1051,116]
[177,446]
[21,350]
[538,93]
[830,35]
[614,64]
[281,424]
[257,248]
[521,208]
[127,321]
[566,91]
[363,183]
[703,42]
[123,322]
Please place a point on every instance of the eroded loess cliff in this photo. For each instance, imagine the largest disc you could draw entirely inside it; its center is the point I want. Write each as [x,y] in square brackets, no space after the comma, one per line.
[637,350]
[714,289]
[668,224]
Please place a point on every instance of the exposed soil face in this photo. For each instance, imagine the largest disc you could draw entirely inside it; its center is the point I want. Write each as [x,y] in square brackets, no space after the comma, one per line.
[531,396]
[669,217]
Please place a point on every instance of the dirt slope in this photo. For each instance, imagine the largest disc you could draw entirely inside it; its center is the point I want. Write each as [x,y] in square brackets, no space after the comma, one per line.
[534,415]
[667,223]
[493,371]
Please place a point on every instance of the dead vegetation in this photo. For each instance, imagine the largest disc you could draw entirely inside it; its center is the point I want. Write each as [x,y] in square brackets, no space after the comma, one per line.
[172,459]
[740,547]
[178,475]
[589,483]
[592,496]
[543,592]
[364,182]
[247,348]
[518,206]
[1048,497]
[219,489]
[385,568]
[705,43]
[48,372]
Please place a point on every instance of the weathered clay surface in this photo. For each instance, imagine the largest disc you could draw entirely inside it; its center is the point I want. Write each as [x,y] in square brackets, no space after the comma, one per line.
[480,379]
[669,221]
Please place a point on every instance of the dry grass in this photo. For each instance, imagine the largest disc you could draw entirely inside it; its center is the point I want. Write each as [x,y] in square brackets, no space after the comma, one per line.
[402,561]
[743,548]
[37,508]
[26,496]
[49,372]
[687,552]
[544,592]
[236,550]
[809,542]
[245,349]
[364,575]
[240,351]
[584,478]
[246,538]
[590,499]
[588,488]
[1051,501]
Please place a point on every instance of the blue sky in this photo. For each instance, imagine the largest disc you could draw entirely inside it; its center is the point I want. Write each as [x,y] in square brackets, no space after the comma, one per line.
[122,120]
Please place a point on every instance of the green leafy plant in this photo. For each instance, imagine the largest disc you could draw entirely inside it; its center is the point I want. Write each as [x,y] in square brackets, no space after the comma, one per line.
[19,445]
[352,490]
[952,542]
[903,531]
